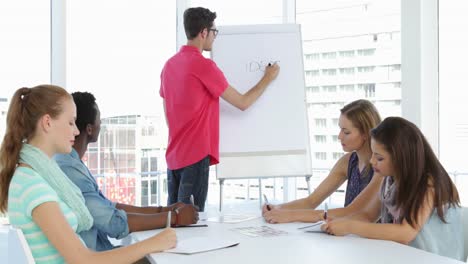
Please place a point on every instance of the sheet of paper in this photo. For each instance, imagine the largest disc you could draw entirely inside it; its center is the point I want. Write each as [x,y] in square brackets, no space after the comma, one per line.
[259,231]
[201,244]
[202,216]
[231,218]
[315,227]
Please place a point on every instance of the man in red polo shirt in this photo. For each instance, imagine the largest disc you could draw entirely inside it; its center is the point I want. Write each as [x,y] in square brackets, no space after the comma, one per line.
[190,87]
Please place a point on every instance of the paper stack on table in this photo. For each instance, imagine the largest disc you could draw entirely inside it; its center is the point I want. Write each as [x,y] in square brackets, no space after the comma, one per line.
[201,244]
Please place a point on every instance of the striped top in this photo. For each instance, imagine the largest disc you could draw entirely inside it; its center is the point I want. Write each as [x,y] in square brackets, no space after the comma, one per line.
[27,191]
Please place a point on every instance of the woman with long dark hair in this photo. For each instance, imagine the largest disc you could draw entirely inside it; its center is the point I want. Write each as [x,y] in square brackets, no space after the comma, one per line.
[418,205]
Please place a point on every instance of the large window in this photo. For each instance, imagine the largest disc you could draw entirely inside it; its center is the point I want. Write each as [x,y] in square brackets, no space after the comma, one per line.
[25,49]
[453,93]
[355,46]
[116,50]
[244,12]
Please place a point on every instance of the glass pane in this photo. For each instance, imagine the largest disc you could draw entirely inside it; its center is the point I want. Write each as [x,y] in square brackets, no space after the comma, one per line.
[351,51]
[144,193]
[154,191]
[144,165]
[119,60]
[25,49]
[154,164]
[453,93]
[227,12]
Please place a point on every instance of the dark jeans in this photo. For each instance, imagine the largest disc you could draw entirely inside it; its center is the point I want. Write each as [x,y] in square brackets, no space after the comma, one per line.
[193,179]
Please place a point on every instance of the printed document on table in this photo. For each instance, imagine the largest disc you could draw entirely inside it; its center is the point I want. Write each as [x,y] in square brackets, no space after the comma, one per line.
[231,218]
[259,231]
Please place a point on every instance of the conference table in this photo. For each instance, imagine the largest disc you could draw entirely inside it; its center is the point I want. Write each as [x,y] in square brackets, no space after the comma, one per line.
[296,246]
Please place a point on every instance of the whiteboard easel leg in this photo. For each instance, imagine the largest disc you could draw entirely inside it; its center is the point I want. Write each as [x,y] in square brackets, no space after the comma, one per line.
[260,192]
[221,183]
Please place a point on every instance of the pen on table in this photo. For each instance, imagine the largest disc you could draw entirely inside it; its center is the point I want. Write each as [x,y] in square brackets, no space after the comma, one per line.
[203,225]
[266,202]
[169,214]
[312,225]
[325,212]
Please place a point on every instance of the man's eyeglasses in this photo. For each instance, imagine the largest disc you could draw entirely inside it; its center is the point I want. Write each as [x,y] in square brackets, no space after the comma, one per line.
[215,31]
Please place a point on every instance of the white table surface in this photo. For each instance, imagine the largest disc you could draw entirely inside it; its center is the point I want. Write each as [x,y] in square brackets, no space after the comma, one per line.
[295,247]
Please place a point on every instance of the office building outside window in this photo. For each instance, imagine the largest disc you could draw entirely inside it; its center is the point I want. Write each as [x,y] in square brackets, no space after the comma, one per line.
[350,37]
[127,161]
[453,125]
[360,49]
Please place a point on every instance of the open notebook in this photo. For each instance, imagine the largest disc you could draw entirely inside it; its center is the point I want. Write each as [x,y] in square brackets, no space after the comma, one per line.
[201,244]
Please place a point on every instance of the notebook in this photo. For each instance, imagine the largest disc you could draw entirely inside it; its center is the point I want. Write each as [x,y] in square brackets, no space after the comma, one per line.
[194,245]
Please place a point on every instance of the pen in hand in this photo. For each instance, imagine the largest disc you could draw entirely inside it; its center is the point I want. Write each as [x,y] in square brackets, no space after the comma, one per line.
[325,212]
[169,214]
[202,225]
[266,202]
[192,200]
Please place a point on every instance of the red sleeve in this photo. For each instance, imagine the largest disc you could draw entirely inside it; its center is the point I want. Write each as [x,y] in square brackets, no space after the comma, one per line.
[213,78]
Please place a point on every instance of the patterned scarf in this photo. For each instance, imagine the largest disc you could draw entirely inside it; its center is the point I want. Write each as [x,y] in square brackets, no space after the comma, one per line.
[389,212]
[48,169]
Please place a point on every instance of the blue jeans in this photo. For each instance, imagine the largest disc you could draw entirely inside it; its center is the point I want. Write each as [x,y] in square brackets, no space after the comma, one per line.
[193,179]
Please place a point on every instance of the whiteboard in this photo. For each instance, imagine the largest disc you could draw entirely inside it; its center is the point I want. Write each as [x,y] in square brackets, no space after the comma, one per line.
[271,138]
